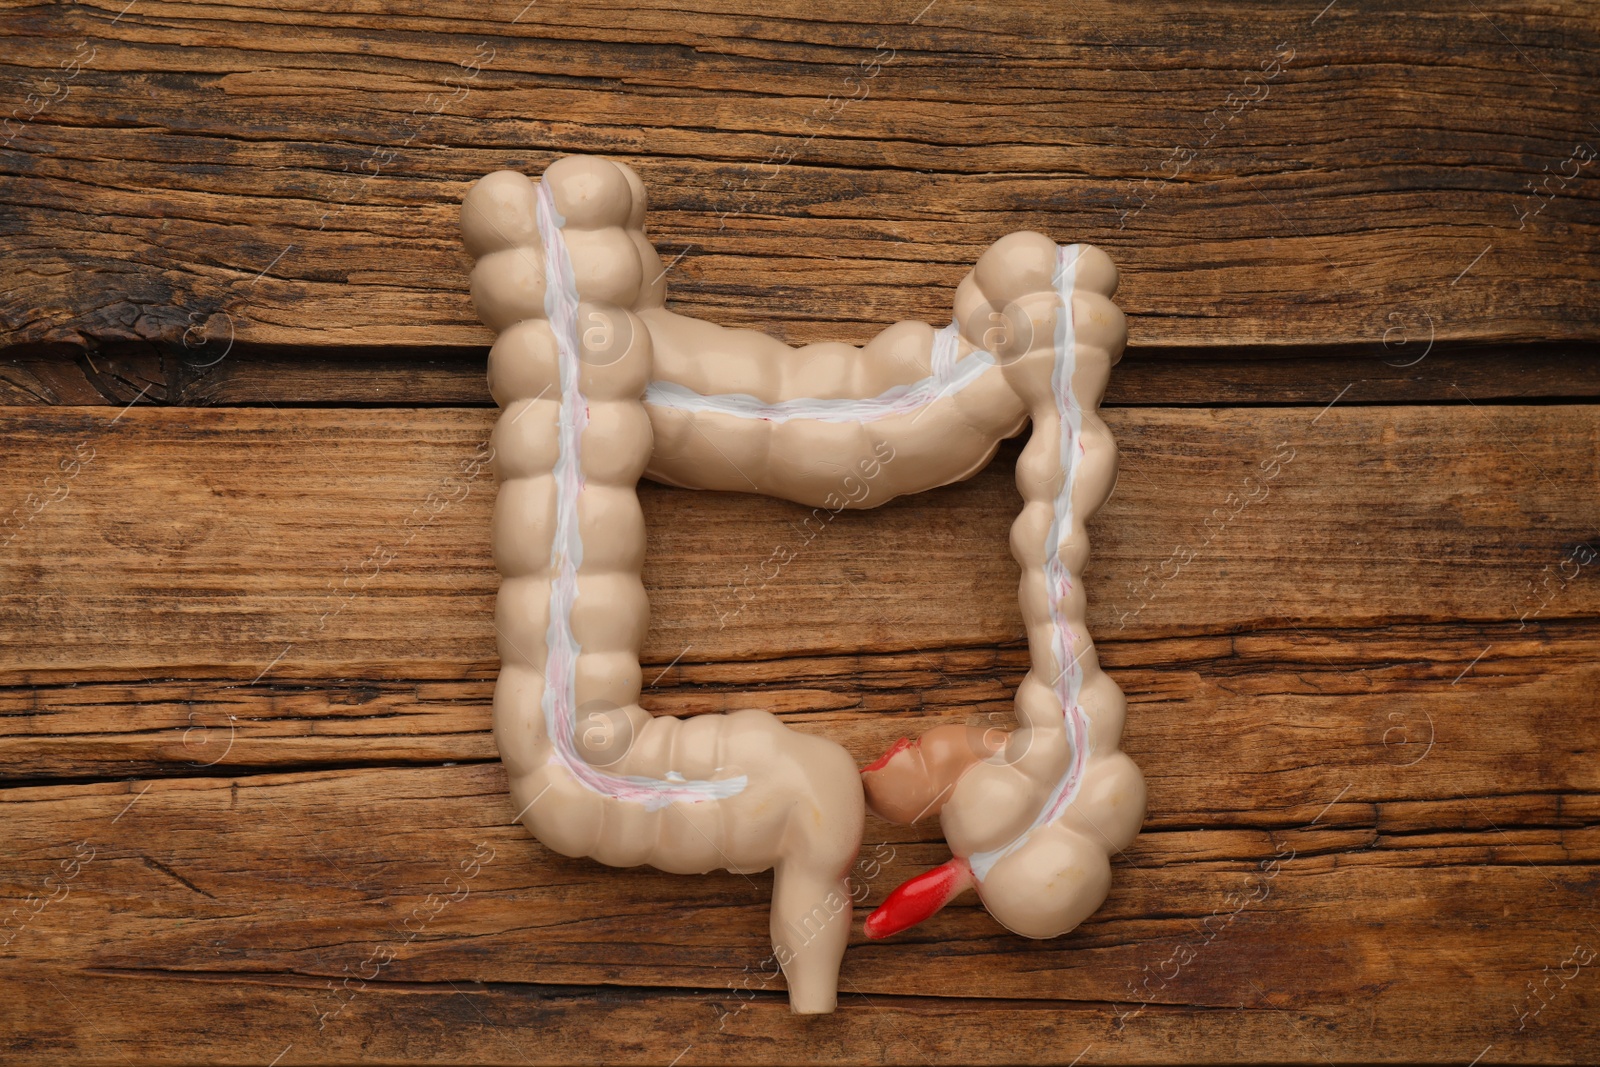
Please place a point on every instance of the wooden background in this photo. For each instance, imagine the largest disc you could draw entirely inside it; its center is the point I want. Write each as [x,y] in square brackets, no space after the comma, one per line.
[245,643]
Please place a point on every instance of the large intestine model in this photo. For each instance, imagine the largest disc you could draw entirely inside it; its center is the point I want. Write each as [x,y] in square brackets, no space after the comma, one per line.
[600,384]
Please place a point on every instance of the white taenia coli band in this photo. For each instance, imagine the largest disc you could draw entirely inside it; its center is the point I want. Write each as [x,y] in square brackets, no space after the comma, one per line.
[559,703]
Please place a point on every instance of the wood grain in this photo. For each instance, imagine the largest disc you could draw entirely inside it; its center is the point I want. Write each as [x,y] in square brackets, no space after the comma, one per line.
[1444,842]
[290,173]
[1347,579]
[302,542]
[1431,782]
[1287,711]
[475,1023]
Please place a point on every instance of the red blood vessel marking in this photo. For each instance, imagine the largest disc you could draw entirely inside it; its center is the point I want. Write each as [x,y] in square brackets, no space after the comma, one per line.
[894,750]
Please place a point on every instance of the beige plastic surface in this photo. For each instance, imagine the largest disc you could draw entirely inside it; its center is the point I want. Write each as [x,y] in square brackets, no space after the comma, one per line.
[1031,826]
[592,772]
[599,384]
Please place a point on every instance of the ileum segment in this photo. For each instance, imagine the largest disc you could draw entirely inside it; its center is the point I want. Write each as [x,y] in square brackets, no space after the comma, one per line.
[591,772]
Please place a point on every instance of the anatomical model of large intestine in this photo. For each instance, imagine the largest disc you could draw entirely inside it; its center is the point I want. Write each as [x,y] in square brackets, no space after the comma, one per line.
[600,384]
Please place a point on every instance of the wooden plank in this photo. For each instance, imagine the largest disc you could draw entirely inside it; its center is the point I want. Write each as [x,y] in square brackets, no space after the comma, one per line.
[231,543]
[290,174]
[293,880]
[1291,706]
[245,653]
[1429,789]
[471,1023]
[258,376]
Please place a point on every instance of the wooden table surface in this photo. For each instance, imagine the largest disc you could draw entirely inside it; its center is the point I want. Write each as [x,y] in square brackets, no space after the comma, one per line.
[1347,580]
